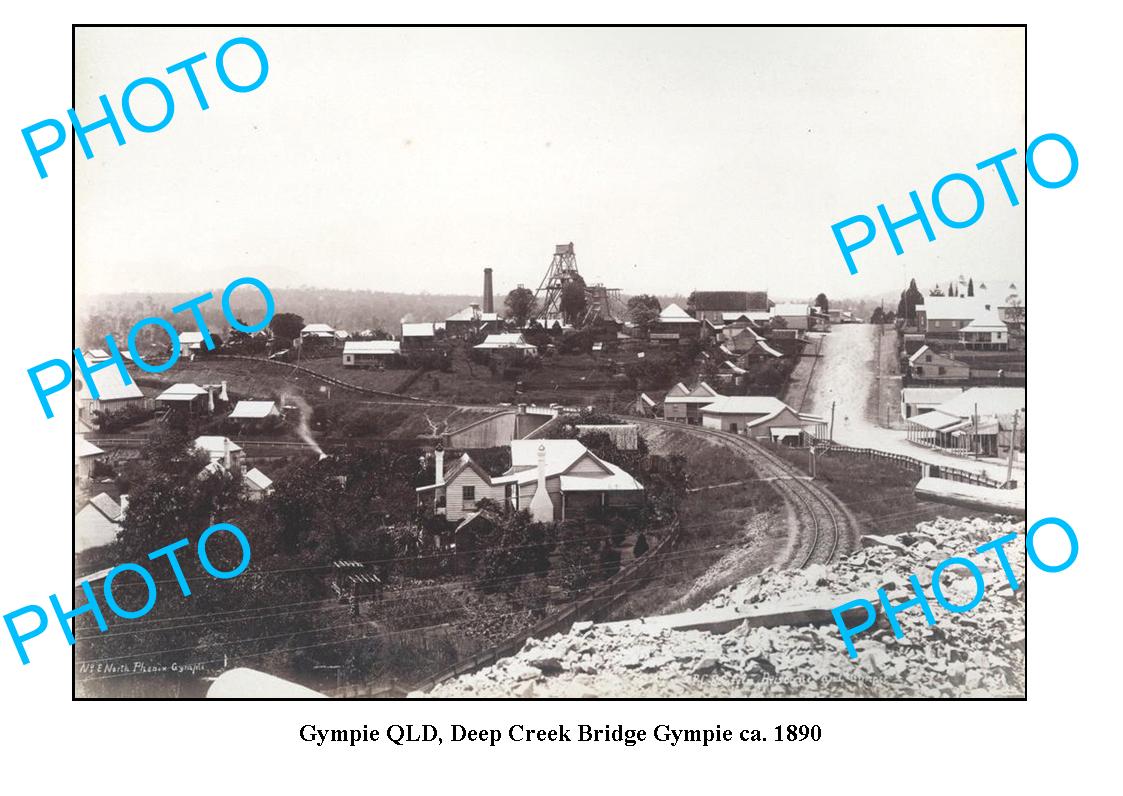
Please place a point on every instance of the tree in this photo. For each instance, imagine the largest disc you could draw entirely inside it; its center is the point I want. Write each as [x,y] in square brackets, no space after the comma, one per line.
[878,315]
[573,300]
[521,304]
[822,303]
[936,291]
[643,310]
[286,326]
[971,286]
[913,297]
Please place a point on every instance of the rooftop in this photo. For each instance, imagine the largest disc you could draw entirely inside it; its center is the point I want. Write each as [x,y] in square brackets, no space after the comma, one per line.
[745,405]
[250,410]
[386,347]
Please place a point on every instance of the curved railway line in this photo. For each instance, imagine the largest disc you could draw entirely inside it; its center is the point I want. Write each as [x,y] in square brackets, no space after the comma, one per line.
[830,529]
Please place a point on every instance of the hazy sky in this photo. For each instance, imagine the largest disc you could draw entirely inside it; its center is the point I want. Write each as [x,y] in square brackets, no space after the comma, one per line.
[674,159]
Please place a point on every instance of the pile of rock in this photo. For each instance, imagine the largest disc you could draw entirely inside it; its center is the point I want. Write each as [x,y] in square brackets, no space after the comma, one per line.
[977,653]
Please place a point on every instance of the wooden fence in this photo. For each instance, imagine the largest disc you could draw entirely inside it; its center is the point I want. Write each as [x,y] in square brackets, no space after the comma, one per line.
[923,468]
[593,605]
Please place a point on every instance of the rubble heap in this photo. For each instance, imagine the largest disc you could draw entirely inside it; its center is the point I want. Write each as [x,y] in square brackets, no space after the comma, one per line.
[977,653]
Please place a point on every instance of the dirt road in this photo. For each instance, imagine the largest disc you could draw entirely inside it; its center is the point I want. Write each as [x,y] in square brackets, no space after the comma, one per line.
[846,375]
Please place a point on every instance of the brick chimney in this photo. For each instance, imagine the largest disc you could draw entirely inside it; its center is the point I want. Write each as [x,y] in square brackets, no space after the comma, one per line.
[489,292]
[541,507]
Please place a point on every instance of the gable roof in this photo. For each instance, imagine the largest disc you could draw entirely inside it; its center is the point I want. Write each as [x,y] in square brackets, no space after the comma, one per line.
[258,479]
[110,387]
[465,462]
[673,313]
[215,445]
[745,405]
[107,506]
[987,321]
[928,395]
[385,347]
[92,528]
[561,456]
[190,338]
[181,392]
[250,410]
[701,394]
[83,448]
[513,340]
[318,328]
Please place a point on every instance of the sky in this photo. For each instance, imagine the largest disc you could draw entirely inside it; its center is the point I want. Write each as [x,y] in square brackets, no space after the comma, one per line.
[408,160]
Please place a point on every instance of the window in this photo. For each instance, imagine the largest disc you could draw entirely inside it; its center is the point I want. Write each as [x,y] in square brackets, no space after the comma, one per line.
[733,427]
[927,357]
[943,371]
[468,493]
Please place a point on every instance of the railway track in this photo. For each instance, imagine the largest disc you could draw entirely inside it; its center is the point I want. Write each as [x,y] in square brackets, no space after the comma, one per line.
[830,529]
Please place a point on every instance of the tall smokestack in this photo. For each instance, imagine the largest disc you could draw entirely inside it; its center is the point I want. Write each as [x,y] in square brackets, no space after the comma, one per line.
[489,294]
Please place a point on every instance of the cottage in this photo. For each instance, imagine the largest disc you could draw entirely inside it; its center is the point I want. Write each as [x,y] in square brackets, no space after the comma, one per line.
[317,331]
[794,316]
[255,410]
[86,454]
[927,364]
[674,326]
[683,405]
[98,523]
[760,417]
[552,479]
[456,492]
[471,321]
[185,397]
[511,344]
[985,333]
[360,353]
[714,304]
[222,451]
[113,396]
[258,484]
[979,421]
[191,343]
[915,400]
[418,336]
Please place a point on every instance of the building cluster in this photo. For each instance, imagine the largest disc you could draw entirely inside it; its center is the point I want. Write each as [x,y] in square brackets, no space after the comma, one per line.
[960,338]
[978,421]
[759,417]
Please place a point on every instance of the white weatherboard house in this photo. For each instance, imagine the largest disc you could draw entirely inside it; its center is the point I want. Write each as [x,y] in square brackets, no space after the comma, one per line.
[98,523]
[318,331]
[553,479]
[366,352]
[512,342]
[113,395]
[760,417]
[222,450]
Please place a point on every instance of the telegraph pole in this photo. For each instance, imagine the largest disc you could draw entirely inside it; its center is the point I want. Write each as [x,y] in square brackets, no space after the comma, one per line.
[1013,442]
[975,435]
[832,423]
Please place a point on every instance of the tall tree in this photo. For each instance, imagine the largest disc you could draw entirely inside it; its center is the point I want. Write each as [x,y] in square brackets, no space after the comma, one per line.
[912,297]
[822,303]
[286,325]
[643,310]
[573,300]
[521,304]
[971,286]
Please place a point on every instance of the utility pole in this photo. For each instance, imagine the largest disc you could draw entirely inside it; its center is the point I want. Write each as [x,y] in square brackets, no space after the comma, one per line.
[831,436]
[1013,443]
[975,435]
